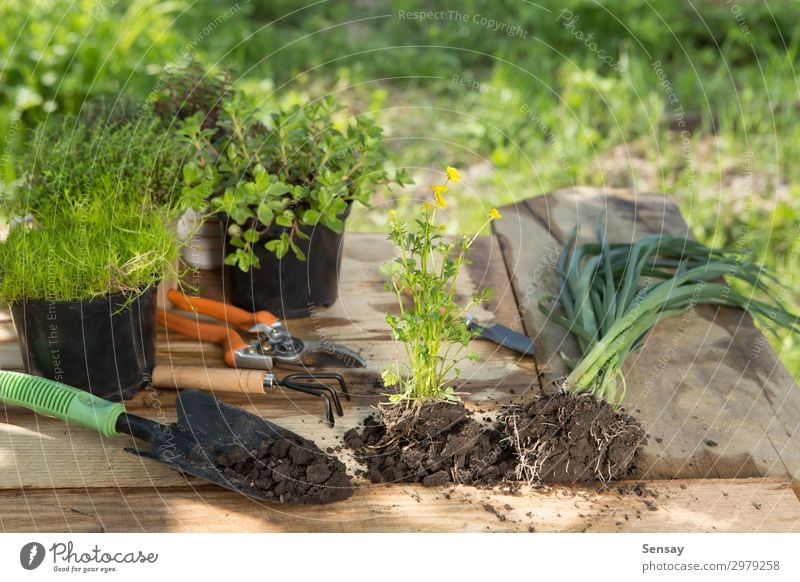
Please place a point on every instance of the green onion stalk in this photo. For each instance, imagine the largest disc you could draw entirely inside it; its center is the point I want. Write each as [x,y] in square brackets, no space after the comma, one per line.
[612,295]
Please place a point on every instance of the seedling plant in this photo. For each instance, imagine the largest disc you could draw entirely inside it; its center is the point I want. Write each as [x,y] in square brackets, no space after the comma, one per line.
[430,325]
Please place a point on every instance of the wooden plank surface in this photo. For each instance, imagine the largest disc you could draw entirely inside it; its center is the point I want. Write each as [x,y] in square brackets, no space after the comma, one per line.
[708,388]
[741,505]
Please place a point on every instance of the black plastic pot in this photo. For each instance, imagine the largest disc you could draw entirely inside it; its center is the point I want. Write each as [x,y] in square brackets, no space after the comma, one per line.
[289,287]
[102,345]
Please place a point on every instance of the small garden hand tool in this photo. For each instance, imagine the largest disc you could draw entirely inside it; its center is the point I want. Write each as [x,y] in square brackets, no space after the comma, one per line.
[503,336]
[205,426]
[254,382]
[274,344]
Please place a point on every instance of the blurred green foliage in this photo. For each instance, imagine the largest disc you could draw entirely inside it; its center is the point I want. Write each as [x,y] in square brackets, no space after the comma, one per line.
[521,114]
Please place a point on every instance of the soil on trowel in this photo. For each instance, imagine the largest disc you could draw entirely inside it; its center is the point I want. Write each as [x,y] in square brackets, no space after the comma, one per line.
[567,438]
[290,470]
[435,443]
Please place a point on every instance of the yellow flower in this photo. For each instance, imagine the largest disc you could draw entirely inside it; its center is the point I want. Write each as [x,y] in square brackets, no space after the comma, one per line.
[438,190]
[392,212]
[427,206]
[453,174]
[494,214]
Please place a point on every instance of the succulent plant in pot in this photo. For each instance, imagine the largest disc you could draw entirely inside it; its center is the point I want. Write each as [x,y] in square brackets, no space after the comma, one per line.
[284,189]
[92,233]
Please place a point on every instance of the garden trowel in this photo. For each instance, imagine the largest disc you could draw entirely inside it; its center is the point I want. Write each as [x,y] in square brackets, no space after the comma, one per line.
[205,427]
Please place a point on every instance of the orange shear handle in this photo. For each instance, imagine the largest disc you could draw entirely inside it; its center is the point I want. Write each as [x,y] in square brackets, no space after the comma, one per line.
[219,310]
[228,338]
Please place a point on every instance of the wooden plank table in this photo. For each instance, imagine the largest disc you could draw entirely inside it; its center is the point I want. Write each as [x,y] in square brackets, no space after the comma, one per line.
[59,478]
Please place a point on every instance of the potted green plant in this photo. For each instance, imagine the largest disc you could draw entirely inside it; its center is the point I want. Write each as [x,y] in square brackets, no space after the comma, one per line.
[92,232]
[424,433]
[284,190]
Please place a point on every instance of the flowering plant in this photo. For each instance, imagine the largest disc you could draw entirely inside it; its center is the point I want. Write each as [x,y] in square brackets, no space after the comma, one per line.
[431,324]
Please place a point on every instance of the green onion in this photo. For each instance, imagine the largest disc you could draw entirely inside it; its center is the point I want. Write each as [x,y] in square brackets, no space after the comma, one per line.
[612,295]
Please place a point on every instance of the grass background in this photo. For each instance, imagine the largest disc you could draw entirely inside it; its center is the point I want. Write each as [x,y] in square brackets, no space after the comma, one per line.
[519,114]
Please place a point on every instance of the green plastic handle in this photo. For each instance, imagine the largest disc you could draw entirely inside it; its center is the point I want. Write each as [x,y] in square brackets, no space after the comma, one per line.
[53,398]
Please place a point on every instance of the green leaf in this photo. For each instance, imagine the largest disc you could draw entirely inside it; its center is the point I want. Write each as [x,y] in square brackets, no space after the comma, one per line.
[273,245]
[279,246]
[297,251]
[265,214]
[277,189]
[284,246]
[310,217]
[192,174]
[335,224]
[390,375]
[284,221]
[251,235]
[241,214]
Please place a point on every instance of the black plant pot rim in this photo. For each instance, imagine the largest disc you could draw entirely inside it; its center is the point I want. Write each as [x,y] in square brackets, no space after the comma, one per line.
[274,230]
[110,297]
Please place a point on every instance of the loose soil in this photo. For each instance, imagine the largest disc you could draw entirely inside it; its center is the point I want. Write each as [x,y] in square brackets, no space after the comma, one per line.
[434,444]
[561,438]
[289,470]
[567,438]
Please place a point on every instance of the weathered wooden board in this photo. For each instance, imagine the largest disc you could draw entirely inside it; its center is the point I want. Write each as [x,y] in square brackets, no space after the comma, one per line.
[741,505]
[709,389]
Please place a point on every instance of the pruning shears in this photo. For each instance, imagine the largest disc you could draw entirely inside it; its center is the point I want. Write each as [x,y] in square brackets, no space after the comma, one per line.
[272,344]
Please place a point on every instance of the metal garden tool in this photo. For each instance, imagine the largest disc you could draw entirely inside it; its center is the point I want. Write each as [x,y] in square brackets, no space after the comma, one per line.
[205,427]
[503,336]
[273,344]
[254,382]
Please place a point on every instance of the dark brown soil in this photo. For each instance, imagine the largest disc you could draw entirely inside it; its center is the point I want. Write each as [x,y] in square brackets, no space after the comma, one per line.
[434,444]
[288,470]
[568,438]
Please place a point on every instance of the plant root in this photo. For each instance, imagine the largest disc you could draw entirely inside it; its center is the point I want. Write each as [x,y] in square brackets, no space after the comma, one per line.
[571,438]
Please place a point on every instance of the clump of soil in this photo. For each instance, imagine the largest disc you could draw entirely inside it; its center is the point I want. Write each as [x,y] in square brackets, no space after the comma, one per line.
[434,443]
[290,470]
[569,438]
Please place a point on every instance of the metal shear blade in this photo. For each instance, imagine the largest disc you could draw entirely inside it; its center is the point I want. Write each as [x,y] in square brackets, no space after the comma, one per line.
[295,352]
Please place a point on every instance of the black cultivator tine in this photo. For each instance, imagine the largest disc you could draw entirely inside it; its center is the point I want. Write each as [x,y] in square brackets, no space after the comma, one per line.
[313,391]
[315,384]
[337,378]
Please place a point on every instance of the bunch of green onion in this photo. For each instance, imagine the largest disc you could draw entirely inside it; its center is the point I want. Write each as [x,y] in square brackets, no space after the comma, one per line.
[612,295]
